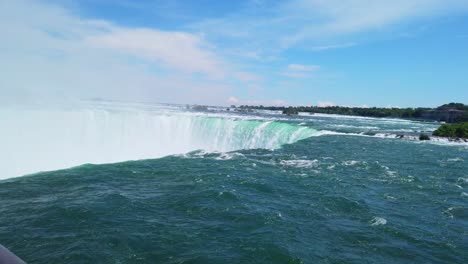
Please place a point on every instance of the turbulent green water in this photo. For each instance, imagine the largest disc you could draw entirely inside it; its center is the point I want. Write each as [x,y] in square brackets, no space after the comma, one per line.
[333,197]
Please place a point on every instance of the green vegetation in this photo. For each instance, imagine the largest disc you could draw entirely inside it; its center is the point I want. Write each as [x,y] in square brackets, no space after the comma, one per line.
[290,111]
[341,110]
[456,106]
[452,112]
[456,130]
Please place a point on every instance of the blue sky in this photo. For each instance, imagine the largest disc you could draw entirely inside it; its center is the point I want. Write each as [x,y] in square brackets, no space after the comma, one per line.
[294,52]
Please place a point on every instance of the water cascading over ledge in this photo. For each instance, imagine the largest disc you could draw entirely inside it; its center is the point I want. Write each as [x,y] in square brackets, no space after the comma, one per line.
[49,139]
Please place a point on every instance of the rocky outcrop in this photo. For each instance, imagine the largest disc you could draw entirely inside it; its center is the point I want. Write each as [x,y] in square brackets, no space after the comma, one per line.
[443,115]
[424,137]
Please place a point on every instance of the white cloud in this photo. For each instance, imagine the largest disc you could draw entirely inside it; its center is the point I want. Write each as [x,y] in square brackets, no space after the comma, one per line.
[344,17]
[48,52]
[304,23]
[179,50]
[47,49]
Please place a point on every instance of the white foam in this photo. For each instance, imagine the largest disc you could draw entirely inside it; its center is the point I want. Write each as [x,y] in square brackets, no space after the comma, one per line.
[455,159]
[462,180]
[433,140]
[350,162]
[228,155]
[300,163]
[358,127]
[376,221]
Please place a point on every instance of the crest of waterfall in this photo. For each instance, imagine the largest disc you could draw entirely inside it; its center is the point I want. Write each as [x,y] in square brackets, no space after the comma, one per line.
[36,140]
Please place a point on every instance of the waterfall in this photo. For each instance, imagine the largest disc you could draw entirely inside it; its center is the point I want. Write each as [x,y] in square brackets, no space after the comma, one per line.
[34,140]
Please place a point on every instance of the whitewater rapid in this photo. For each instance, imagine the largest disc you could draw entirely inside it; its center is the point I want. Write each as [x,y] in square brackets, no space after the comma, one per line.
[35,140]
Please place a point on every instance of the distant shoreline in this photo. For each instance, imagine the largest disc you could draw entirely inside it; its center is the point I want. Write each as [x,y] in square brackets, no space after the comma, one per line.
[449,113]
[454,114]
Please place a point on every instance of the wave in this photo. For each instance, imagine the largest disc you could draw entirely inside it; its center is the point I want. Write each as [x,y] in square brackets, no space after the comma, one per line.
[376,221]
[48,139]
[301,163]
